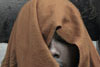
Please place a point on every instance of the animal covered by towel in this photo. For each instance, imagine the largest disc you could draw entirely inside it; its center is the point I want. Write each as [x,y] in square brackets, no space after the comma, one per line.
[34,29]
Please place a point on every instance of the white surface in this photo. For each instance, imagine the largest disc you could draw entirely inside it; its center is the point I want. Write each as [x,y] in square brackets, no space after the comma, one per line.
[3,47]
[94,42]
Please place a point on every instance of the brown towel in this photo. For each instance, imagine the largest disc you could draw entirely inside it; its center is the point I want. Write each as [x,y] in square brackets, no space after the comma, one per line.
[33,31]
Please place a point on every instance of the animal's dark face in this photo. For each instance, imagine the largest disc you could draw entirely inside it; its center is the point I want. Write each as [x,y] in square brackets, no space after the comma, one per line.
[64,53]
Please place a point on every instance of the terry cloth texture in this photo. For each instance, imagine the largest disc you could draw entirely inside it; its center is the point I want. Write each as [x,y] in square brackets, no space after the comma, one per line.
[34,29]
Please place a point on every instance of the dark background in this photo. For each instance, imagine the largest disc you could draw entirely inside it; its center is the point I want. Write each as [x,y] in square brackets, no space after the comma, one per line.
[8,12]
